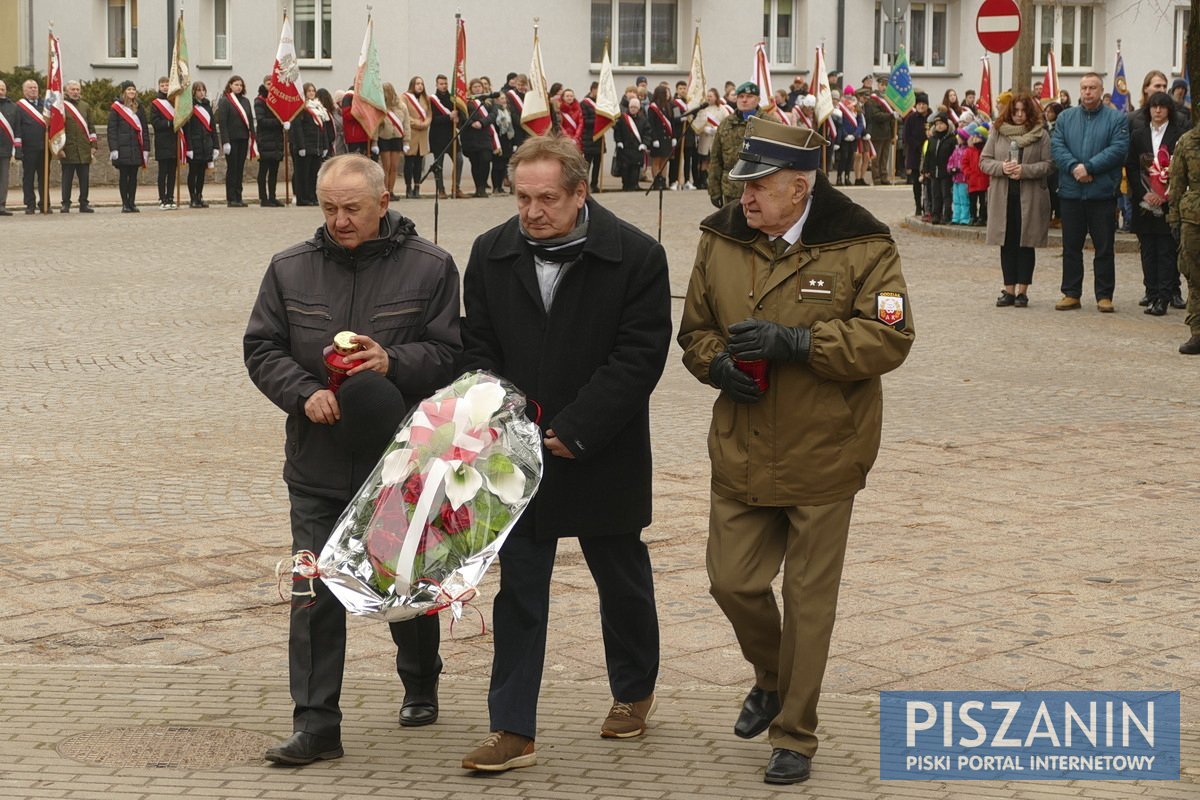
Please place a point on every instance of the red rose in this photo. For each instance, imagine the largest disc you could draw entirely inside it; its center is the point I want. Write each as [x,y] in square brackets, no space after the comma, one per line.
[455,521]
[412,488]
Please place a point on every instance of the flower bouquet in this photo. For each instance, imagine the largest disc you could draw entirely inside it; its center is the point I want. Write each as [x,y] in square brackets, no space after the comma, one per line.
[421,532]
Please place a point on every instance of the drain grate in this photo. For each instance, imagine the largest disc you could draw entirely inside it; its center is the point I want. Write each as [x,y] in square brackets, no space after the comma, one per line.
[166,746]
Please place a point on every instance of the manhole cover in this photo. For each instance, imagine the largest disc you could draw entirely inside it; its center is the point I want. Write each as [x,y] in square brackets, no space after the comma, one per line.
[179,746]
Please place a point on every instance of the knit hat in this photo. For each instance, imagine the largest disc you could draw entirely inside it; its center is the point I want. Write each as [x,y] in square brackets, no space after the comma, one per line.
[921,97]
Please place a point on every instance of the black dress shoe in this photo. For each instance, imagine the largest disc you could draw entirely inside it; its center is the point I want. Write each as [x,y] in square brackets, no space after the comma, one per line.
[1157,307]
[86,210]
[1177,301]
[4,212]
[1145,301]
[787,766]
[758,709]
[419,708]
[304,748]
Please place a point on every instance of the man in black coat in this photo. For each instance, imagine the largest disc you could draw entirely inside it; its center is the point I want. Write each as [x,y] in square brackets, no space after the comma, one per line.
[573,306]
[166,144]
[30,129]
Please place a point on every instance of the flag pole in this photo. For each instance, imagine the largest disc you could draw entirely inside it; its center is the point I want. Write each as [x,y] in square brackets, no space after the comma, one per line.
[180,157]
[453,193]
[287,179]
[46,157]
[602,150]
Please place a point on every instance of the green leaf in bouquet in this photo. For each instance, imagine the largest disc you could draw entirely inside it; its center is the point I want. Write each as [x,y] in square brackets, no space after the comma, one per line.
[491,511]
[439,442]
[503,478]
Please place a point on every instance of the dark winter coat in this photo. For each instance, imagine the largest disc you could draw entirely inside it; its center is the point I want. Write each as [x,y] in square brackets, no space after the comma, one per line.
[9,109]
[165,141]
[123,138]
[626,142]
[590,363]
[659,132]
[30,134]
[590,146]
[914,139]
[477,140]
[1098,139]
[307,134]
[937,155]
[201,141]
[399,289]
[230,126]
[268,129]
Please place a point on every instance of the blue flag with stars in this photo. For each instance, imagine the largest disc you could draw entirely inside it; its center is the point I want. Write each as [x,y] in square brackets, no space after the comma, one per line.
[1120,91]
[900,89]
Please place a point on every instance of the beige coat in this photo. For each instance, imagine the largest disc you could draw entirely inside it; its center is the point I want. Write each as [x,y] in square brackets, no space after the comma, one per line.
[418,126]
[815,433]
[387,130]
[1036,164]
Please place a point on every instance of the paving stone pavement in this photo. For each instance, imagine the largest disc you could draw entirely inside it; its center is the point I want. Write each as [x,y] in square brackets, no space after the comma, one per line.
[1030,524]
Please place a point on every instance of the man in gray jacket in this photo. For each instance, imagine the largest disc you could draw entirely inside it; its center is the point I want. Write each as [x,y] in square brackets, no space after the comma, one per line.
[1090,144]
[368,272]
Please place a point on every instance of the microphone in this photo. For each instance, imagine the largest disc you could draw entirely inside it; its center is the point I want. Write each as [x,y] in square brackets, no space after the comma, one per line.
[488,96]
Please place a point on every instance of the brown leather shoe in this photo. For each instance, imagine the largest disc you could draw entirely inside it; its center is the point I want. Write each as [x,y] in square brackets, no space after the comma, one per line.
[1105,306]
[1067,304]
[626,720]
[501,751]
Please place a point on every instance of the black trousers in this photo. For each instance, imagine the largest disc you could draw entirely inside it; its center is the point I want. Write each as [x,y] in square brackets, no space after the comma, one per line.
[1160,272]
[979,206]
[499,171]
[33,172]
[845,158]
[1016,262]
[127,184]
[413,165]
[69,173]
[941,192]
[304,177]
[195,179]
[593,160]
[268,172]
[481,168]
[166,180]
[235,167]
[317,639]
[914,178]
[620,566]
[438,175]
[1079,219]
[629,176]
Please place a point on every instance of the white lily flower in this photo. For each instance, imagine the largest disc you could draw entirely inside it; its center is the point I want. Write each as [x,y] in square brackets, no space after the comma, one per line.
[508,486]
[482,401]
[397,466]
[463,482]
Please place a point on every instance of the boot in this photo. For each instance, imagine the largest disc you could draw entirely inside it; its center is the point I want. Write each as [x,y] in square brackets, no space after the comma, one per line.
[1192,346]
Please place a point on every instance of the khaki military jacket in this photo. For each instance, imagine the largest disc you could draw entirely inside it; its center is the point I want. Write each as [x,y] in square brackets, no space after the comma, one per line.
[727,144]
[813,436]
[1185,171]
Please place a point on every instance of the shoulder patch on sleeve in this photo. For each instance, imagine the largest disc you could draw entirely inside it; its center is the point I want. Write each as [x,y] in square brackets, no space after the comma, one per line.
[889,309]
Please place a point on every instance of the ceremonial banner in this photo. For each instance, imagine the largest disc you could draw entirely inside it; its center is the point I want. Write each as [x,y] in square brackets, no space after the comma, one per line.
[284,96]
[368,105]
[460,62]
[761,75]
[900,88]
[608,102]
[1120,90]
[536,117]
[1050,82]
[179,90]
[697,85]
[984,103]
[824,95]
[54,108]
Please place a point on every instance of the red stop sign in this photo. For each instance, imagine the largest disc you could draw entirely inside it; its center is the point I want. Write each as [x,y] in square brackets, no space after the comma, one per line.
[998,25]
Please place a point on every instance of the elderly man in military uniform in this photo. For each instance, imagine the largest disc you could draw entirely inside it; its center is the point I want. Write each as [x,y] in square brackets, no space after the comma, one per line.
[882,120]
[727,143]
[1183,215]
[796,307]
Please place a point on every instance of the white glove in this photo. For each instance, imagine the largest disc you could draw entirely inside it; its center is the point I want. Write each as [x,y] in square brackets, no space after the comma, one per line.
[324,153]
[642,147]
[620,145]
[655,143]
[674,143]
[849,137]
[113,155]
[287,126]
[407,148]
[837,113]
[211,165]
[710,130]
[145,156]
[214,157]
[189,155]
[837,147]
[866,136]
[895,115]
[302,152]
[374,149]
[226,148]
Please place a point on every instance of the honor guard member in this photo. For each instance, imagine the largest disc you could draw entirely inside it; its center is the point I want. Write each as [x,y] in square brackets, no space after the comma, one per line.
[30,144]
[801,286]
[79,148]
[727,144]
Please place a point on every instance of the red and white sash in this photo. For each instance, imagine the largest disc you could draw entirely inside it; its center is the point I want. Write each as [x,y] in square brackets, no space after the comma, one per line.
[713,121]
[728,108]
[201,113]
[7,128]
[883,101]
[232,98]
[164,108]
[515,99]
[132,120]
[802,117]
[437,106]
[74,112]
[953,117]
[480,110]
[30,109]
[633,127]
[681,104]
[394,118]
[666,123]
[415,104]
[570,125]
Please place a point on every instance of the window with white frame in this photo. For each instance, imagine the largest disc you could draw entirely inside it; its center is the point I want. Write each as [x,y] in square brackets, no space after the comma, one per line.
[641,32]
[220,30]
[779,31]
[1068,28]
[927,24]
[122,21]
[312,28]
[1183,19]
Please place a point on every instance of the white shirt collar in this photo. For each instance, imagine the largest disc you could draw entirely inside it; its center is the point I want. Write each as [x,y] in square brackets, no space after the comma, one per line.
[792,235]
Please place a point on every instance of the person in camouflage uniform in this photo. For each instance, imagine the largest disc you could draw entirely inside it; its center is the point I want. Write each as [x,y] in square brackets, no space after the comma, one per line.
[727,144]
[1183,216]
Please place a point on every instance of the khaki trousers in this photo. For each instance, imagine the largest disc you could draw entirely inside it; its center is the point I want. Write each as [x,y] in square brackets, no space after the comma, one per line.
[747,545]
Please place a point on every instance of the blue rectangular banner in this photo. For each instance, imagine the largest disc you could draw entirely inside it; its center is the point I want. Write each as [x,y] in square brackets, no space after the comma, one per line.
[1010,736]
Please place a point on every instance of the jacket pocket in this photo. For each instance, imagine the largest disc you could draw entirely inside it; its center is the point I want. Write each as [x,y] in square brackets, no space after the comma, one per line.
[401,312]
[307,314]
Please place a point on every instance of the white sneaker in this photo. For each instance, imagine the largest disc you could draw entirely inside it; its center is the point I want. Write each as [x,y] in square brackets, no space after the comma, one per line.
[172,206]
[688,185]
[164,206]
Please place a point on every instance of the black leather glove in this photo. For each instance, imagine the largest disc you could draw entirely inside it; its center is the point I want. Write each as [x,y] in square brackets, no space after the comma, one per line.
[753,339]
[718,202]
[740,387]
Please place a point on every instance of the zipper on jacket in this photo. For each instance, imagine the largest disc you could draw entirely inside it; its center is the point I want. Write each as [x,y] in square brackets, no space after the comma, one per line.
[323,315]
[401,312]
